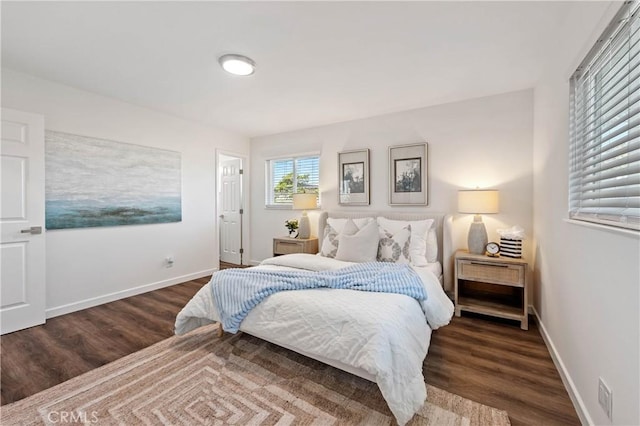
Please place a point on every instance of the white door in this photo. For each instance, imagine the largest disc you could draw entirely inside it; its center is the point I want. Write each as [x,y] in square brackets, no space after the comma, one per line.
[230,202]
[22,248]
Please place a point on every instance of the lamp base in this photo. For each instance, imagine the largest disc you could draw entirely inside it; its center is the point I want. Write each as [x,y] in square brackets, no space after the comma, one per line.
[304,227]
[477,239]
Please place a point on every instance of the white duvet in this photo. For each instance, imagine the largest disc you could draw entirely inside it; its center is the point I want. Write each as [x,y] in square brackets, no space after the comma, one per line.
[386,335]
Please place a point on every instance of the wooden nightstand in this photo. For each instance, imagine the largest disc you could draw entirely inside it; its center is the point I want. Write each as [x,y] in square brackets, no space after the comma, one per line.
[495,286]
[288,245]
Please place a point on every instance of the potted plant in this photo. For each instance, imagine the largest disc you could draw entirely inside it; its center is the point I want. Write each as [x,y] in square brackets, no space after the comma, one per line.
[292,225]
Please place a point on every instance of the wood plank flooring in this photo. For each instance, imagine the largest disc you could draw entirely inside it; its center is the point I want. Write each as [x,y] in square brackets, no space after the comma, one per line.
[66,346]
[227,265]
[496,363]
[488,361]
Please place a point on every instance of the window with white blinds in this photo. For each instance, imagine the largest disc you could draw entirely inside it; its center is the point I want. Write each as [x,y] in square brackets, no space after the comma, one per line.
[604,175]
[285,174]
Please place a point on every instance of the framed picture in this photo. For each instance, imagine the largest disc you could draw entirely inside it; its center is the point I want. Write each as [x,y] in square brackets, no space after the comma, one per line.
[93,182]
[353,177]
[408,175]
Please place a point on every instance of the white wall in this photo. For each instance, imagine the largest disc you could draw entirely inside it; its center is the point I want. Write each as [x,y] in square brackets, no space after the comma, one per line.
[587,294]
[485,142]
[86,267]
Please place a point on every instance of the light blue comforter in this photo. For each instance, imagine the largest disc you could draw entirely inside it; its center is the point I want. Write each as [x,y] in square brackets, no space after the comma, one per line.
[237,291]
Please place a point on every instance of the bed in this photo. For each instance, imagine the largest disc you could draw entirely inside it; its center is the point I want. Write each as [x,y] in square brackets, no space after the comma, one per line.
[381,337]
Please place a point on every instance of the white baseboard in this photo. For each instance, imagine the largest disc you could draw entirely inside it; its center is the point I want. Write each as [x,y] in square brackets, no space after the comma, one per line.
[577,401]
[254,262]
[100,300]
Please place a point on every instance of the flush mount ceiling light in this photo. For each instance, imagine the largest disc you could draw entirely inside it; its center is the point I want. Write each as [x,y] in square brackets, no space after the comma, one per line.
[237,64]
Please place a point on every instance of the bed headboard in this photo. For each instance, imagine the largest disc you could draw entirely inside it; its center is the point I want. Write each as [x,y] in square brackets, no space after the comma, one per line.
[443,231]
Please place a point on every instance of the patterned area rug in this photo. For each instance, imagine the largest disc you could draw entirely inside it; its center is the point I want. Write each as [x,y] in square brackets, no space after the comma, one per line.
[237,379]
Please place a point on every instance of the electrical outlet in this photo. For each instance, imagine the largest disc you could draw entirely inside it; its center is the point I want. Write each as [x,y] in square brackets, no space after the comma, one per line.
[605,398]
[169,261]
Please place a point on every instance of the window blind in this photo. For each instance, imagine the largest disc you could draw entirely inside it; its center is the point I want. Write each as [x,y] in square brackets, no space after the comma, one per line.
[604,169]
[283,175]
[308,174]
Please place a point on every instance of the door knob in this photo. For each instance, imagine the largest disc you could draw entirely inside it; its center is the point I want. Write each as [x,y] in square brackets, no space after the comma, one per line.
[33,230]
[221,216]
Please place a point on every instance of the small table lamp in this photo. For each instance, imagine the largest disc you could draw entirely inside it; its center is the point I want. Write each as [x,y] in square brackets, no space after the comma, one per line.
[304,202]
[477,201]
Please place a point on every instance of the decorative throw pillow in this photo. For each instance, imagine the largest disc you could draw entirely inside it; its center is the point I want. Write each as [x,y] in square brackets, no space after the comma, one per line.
[359,247]
[335,228]
[395,247]
[329,242]
[419,233]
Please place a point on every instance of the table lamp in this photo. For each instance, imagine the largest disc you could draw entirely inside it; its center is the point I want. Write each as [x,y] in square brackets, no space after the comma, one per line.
[304,202]
[477,202]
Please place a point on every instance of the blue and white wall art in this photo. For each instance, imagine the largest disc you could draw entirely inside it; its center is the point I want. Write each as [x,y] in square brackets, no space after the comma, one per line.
[96,182]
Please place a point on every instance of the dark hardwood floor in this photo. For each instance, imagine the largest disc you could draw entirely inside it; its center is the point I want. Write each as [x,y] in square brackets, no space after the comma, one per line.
[496,363]
[66,346]
[488,361]
[227,265]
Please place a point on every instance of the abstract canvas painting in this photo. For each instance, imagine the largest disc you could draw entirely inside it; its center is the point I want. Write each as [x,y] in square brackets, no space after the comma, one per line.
[92,182]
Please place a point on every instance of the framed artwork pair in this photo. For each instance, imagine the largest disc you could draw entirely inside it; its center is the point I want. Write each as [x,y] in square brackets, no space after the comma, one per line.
[407,176]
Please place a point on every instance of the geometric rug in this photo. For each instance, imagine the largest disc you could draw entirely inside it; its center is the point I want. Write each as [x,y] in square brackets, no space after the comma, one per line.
[237,379]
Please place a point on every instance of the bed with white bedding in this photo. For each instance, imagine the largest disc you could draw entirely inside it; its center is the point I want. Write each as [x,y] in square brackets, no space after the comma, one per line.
[382,337]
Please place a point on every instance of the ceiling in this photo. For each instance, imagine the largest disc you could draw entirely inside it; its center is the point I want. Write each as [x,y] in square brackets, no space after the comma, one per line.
[317,62]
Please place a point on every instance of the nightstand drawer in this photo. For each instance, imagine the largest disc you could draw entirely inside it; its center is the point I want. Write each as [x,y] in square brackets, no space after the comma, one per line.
[287,247]
[512,275]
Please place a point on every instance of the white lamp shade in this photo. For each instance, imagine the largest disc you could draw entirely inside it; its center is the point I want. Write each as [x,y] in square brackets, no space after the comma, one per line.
[305,201]
[478,201]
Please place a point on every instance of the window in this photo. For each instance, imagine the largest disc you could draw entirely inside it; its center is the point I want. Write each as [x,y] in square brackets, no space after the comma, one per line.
[285,174]
[604,175]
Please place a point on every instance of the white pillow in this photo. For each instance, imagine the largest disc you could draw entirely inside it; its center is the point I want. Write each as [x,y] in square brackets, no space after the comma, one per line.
[350,228]
[432,245]
[333,230]
[419,231]
[339,223]
[395,247]
[361,246]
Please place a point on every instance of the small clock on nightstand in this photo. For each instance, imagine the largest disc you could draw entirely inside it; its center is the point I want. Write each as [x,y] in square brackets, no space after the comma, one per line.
[493,249]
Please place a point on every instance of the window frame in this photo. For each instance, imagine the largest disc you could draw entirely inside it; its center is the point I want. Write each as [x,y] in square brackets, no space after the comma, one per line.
[269,185]
[603,178]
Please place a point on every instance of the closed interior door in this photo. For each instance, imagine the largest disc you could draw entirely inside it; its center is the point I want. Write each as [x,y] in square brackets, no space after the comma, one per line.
[230,207]
[22,248]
